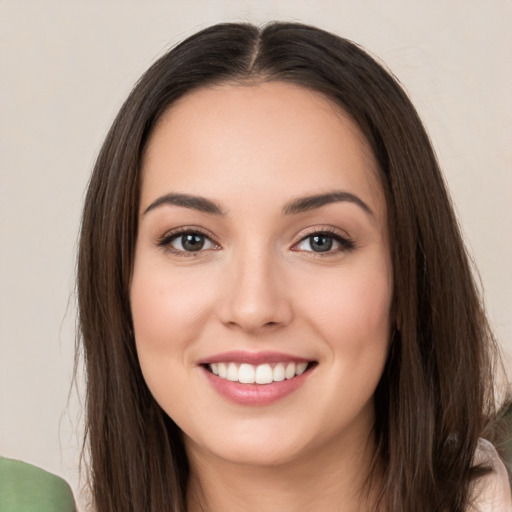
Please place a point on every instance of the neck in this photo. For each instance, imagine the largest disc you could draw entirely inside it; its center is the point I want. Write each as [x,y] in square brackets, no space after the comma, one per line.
[329,481]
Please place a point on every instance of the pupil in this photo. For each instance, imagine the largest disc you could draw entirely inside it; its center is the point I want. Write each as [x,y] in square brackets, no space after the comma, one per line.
[321,243]
[192,242]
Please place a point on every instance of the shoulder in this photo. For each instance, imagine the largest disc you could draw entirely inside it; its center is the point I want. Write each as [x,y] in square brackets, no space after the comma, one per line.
[26,488]
[491,493]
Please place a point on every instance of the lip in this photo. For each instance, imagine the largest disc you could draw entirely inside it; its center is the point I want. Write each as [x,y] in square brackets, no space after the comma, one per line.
[254,394]
[255,358]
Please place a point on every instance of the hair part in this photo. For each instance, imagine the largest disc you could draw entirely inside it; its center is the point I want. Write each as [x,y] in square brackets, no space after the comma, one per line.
[435,397]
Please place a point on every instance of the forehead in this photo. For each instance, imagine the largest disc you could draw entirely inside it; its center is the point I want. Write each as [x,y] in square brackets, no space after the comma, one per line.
[258,139]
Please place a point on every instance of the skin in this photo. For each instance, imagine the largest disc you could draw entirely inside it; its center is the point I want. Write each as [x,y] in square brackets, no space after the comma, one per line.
[259,285]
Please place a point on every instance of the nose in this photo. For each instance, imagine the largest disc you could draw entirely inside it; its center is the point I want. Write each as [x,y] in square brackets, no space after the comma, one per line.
[255,298]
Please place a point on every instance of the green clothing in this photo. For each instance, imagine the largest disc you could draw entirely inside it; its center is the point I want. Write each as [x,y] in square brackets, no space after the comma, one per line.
[26,488]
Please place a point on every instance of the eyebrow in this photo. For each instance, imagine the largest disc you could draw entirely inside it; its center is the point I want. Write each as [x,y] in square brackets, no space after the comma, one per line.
[187,201]
[298,205]
[302,204]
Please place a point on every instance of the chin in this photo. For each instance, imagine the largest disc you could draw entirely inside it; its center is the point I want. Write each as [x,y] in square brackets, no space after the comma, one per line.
[258,454]
[263,445]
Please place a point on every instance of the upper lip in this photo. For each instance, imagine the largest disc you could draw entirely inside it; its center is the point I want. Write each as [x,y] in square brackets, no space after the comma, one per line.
[254,358]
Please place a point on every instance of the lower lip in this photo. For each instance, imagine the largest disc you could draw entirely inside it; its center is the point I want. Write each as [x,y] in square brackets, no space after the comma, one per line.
[255,394]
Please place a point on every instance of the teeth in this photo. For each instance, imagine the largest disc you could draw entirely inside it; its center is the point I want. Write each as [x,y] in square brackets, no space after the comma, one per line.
[261,374]
[246,374]
[223,370]
[264,374]
[232,372]
[290,371]
[301,368]
[279,372]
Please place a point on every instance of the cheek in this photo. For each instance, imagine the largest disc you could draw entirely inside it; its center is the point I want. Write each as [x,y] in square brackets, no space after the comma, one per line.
[355,304]
[353,319]
[168,308]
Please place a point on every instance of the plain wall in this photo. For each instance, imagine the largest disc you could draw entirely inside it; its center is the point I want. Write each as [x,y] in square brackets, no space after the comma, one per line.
[66,67]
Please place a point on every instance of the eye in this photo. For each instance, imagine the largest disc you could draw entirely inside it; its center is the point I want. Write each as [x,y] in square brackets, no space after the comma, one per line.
[183,242]
[324,242]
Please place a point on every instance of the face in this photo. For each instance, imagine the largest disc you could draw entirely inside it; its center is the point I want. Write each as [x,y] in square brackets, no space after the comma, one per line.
[262,283]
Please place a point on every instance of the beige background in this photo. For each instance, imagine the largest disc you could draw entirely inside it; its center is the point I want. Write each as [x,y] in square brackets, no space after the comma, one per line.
[65,68]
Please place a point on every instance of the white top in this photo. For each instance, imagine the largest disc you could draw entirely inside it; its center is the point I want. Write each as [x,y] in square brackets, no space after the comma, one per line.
[492,491]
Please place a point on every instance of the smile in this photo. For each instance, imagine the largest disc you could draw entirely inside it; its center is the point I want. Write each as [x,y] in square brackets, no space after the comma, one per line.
[256,379]
[266,373]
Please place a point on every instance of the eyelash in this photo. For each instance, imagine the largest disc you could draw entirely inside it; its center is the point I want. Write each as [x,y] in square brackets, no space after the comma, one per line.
[346,244]
[168,238]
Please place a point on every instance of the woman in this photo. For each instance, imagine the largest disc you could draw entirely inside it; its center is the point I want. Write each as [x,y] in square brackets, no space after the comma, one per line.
[276,308]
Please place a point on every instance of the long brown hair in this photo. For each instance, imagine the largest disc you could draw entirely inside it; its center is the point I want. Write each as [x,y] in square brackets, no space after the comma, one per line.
[435,397]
